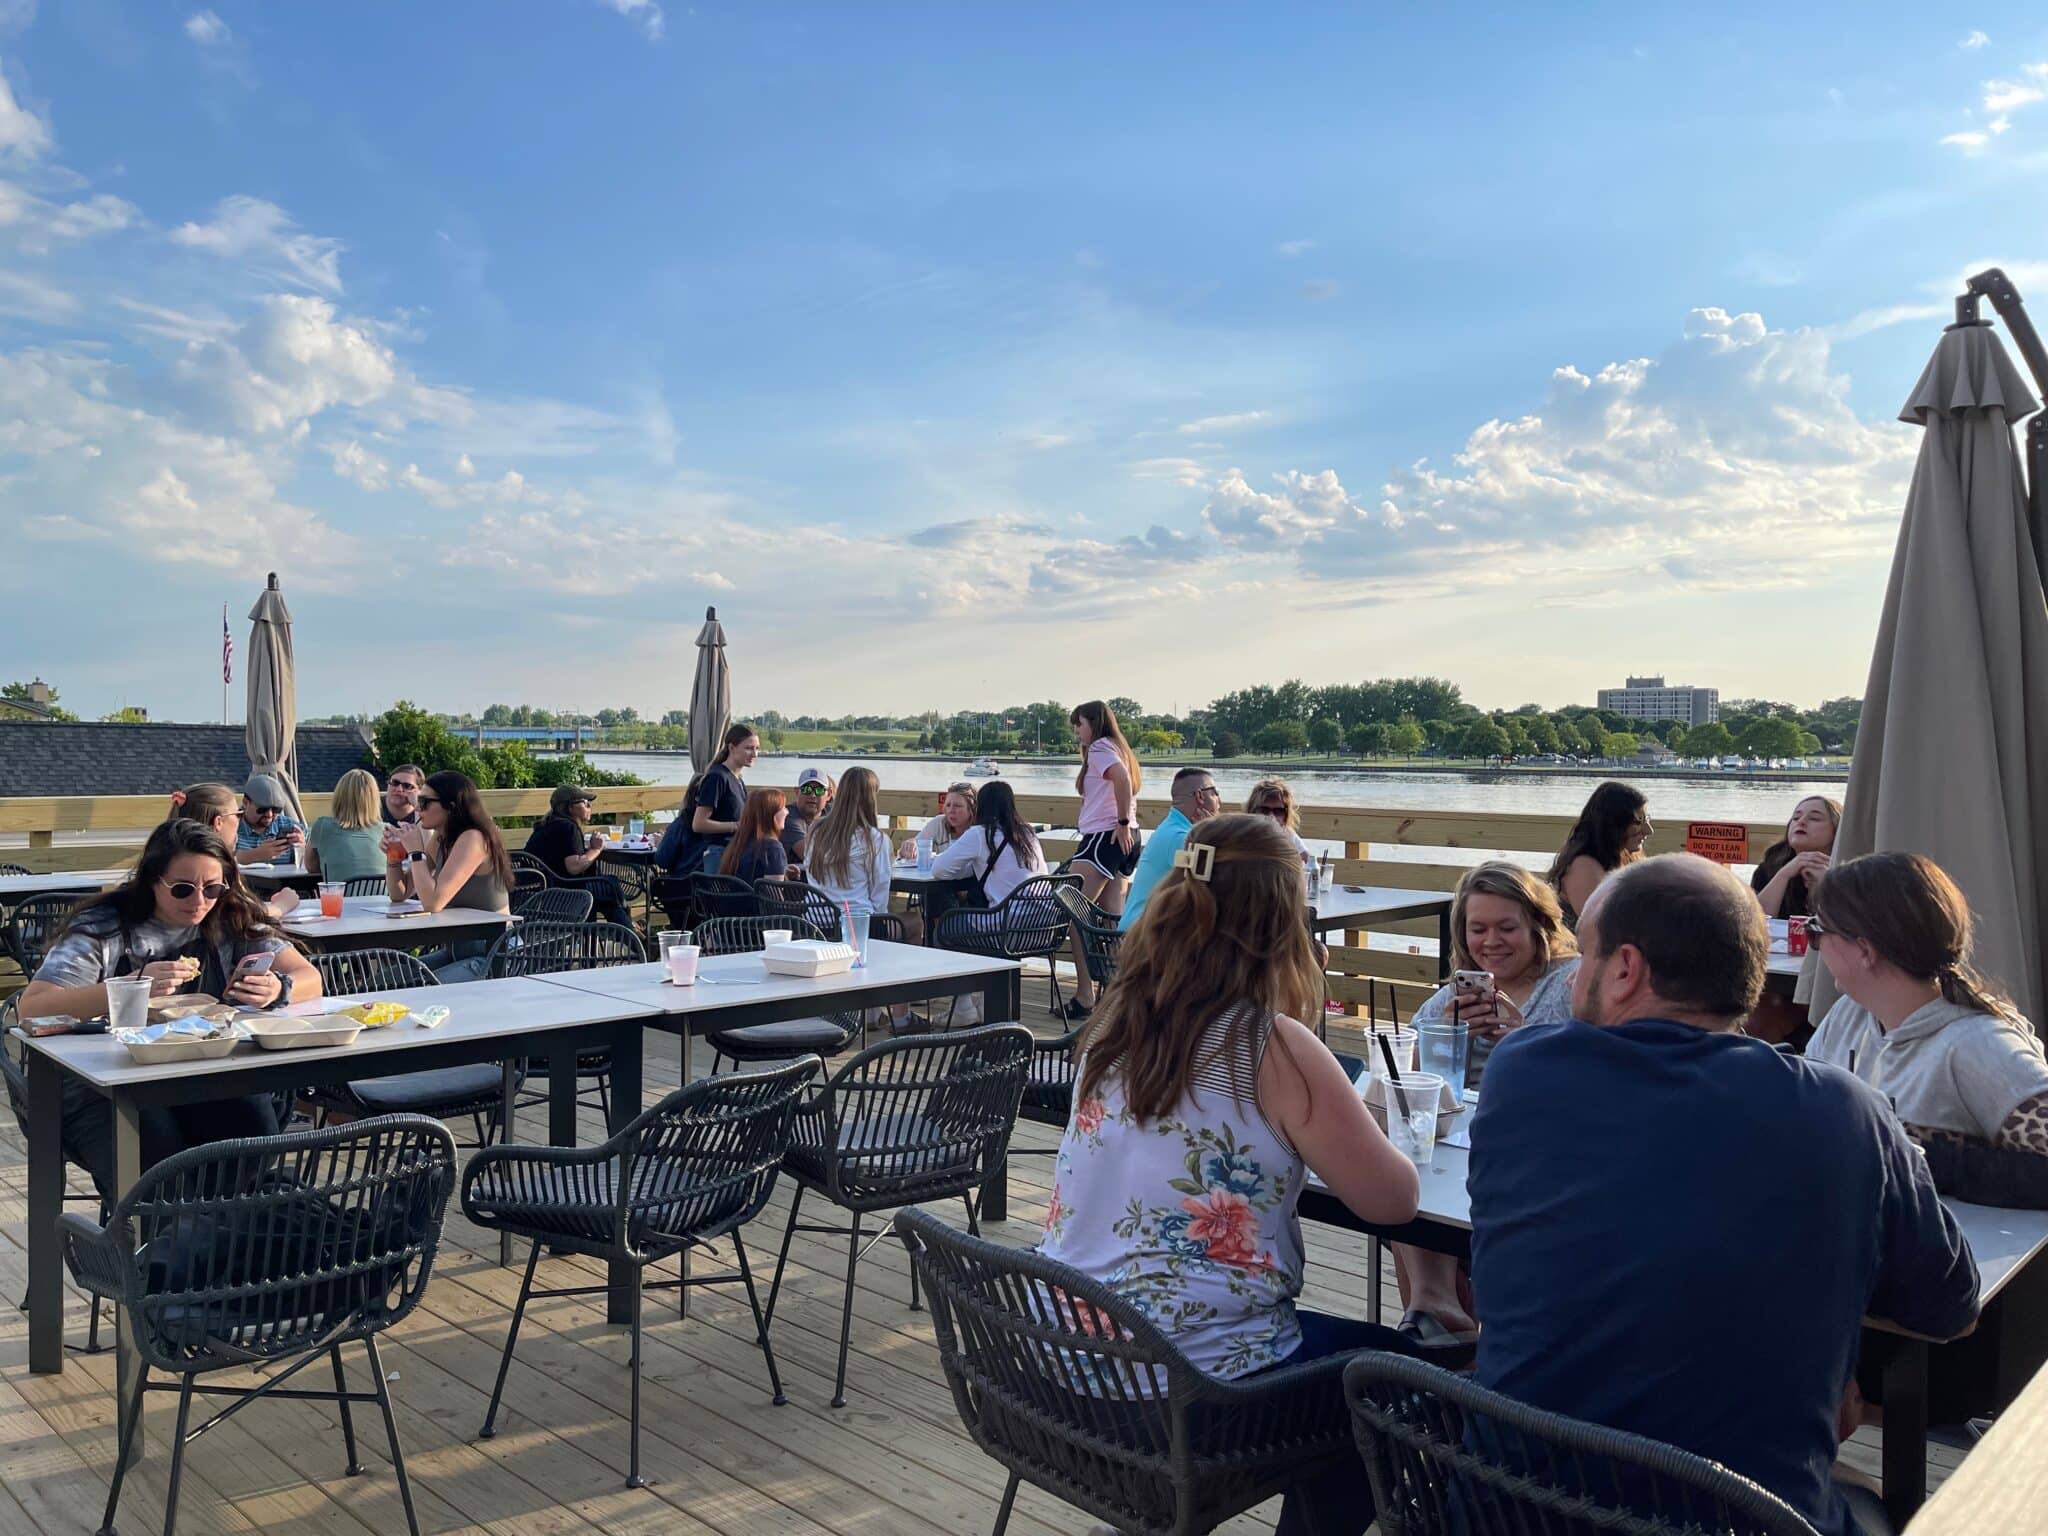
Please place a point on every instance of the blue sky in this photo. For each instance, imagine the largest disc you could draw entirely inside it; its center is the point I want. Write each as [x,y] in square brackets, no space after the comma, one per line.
[964,355]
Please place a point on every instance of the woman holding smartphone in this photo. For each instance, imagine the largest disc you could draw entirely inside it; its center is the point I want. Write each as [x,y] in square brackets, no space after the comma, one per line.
[186,921]
[1513,962]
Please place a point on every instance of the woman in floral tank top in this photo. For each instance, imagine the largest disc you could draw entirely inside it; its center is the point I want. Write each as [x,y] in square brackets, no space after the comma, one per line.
[1201,1105]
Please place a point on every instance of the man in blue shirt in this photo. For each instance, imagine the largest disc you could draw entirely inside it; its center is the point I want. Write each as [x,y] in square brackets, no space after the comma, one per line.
[269,831]
[1195,798]
[1678,1231]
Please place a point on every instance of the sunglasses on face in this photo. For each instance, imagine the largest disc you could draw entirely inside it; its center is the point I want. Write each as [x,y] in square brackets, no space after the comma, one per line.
[184,890]
[264,811]
[1816,929]
[812,789]
[430,800]
[1273,810]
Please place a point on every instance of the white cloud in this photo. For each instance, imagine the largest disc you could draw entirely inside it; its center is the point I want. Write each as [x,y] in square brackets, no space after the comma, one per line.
[262,236]
[1973,39]
[1732,446]
[1866,321]
[27,297]
[22,133]
[352,461]
[1231,422]
[1970,142]
[646,12]
[1319,289]
[36,225]
[464,467]
[206,29]
[293,359]
[1294,247]
[1181,471]
[2008,96]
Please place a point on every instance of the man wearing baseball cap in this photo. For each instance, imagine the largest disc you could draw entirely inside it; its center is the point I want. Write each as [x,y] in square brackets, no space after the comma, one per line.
[813,793]
[564,842]
[268,831]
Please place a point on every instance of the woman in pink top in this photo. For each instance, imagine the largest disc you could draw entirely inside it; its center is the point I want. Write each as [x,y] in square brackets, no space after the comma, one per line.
[1108,786]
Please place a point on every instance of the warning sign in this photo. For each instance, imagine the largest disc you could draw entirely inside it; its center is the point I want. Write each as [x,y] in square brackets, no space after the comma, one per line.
[1725,842]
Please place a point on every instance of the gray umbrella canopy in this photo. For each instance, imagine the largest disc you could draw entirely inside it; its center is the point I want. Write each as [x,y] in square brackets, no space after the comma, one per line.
[1952,755]
[711,695]
[272,728]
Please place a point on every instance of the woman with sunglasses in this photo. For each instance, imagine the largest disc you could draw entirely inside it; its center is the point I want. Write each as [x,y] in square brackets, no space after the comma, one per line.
[218,807]
[186,921]
[1275,798]
[454,856]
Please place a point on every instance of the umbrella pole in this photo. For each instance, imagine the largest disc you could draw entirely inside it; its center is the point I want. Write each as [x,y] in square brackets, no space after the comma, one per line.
[1993,284]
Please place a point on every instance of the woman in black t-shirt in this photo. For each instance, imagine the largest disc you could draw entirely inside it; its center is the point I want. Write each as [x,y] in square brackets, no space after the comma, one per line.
[715,801]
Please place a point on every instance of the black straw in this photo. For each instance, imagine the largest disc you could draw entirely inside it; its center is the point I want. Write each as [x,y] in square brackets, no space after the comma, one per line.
[1394,1076]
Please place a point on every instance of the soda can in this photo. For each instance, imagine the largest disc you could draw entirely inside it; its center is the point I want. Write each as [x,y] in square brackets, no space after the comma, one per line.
[1795,936]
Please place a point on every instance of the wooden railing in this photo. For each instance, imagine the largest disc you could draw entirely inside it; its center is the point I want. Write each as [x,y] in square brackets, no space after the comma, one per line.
[1377,848]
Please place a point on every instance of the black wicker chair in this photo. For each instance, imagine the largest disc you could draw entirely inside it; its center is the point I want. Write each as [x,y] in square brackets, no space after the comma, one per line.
[797,898]
[1027,924]
[444,1093]
[1049,1095]
[553,904]
[35,922]
[17,1100]
[925,1117]
[1075,1391]
[723,896]
[15,869]
[526,883]
[628,878]
[697,1166]
[539,948]
[768,1042]
[274,1250]
[533,862]
[364,885]
[1446,1456]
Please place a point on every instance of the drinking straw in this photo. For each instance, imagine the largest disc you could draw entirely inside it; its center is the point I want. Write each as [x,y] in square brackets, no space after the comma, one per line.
[1394,1076]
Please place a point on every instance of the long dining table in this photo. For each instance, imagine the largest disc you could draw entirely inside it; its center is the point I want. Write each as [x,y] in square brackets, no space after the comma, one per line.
[555,1017]
[2005,1242]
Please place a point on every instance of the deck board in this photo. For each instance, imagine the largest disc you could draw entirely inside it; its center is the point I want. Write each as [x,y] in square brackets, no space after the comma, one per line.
[723,1460]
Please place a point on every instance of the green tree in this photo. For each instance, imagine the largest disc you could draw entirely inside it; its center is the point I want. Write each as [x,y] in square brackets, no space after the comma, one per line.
[1369,738]
[1623,744]
[1227,744]
[1325,734]
[1152,739]
[1282,736]
[1404,738]
[19,692]
[1484,738]
[1710,740]
[1809,744]
[677,717]
[1769,737]
[1127,711]
[773,736]
[127,714]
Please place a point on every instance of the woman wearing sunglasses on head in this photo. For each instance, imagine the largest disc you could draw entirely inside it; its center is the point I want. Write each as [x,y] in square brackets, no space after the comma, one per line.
[186,921]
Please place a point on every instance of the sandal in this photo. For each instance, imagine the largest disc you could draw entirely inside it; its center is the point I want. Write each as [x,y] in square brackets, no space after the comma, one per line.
[1436,1343]
[1075,1009]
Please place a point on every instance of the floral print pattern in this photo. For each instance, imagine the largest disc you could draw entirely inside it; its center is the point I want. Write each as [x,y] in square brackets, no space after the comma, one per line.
[1191,1218]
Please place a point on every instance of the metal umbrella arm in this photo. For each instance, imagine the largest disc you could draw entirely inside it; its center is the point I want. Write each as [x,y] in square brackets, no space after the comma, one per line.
[1993,284]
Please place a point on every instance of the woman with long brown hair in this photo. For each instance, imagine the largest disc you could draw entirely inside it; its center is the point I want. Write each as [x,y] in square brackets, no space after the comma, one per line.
[1916,1020]
[1793,865]
[1609,833]
[1107,783]
[185,920]
[454,857]
[711,807]
[756,851]
[1202,1101]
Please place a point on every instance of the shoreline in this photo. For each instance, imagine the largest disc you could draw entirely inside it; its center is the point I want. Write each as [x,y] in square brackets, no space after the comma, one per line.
[1317,765]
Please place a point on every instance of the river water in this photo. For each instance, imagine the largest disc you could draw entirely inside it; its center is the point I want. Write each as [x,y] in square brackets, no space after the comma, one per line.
[1552,794]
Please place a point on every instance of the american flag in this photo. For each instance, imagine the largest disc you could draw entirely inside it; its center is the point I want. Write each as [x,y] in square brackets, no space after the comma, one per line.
[227,649]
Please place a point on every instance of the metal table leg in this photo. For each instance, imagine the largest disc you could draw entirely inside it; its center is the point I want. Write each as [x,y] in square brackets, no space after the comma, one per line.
[45,1202]
[1905,1431]
[622,1279]
[1001,998]
[127,1358]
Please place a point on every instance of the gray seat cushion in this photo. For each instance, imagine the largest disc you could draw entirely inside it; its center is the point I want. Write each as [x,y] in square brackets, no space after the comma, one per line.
[790,1037]
[445,1090]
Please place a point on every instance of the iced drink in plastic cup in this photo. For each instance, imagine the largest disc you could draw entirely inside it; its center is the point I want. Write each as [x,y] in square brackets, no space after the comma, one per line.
[682,964]
[1414,1133]
[330,899]
[128,1002]
[1445,1049]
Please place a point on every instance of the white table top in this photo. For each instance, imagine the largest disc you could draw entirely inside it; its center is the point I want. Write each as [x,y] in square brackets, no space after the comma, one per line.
[2003,1241]
[505,1008]
[1345,906]
[361,915]
[736,981]
[13,886]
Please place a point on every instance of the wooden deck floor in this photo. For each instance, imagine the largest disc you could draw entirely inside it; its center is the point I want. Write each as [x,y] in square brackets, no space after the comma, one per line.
[722,1459]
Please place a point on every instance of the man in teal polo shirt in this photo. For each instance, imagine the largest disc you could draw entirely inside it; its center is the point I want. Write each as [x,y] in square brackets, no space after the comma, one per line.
[1195,798]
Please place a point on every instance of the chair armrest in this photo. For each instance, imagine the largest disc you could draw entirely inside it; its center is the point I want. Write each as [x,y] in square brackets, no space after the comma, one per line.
[513,1159]
[1278,1411]
[94,1258]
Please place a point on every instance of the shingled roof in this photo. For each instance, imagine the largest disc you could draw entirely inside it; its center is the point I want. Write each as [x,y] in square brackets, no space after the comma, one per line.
[154,759]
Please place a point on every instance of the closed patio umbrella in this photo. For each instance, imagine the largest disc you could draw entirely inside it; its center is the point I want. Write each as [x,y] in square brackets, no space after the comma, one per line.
[1952,755]
[271,732]
[711,695]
